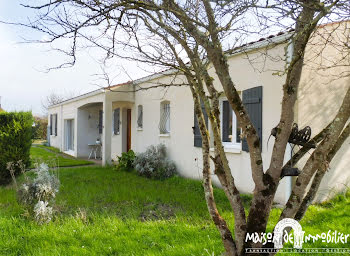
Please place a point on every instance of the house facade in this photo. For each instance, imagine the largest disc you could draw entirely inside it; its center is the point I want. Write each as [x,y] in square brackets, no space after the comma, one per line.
[138,114]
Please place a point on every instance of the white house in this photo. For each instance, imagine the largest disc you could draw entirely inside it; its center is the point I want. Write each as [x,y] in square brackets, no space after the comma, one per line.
[124,117]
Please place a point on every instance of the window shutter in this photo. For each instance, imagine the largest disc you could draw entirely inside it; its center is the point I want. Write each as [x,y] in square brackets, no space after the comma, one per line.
[252,101]
[100,121]
[116,123]
[196,130]
[55,124]
[51,124]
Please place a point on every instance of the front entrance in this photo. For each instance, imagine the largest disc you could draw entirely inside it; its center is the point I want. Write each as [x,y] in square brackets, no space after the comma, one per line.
[128,130]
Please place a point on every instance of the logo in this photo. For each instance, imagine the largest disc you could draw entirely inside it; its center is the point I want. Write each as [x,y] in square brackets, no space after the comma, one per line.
[298,233]
[281,236]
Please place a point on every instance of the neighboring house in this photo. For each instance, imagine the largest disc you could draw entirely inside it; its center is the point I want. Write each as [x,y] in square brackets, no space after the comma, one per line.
[124,117]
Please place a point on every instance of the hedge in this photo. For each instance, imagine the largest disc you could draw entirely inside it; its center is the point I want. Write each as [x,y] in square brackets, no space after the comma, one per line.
[15,141]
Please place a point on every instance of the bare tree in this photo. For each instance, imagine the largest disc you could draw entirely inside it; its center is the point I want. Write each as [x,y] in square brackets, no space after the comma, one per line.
[188,36]
[54,98]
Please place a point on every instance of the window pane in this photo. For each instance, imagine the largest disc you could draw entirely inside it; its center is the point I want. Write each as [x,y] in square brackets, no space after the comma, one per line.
[226,122]
[164,122]
[140,117]
[238,132]
[167,113]
[100,121]
[116,121]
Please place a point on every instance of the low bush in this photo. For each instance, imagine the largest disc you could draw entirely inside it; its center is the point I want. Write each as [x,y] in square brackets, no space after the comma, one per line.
[15,142]
[153,163]
[126,161]
[38,194]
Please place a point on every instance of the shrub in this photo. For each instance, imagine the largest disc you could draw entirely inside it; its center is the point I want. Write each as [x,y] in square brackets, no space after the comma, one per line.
[15,141]
[126,161]
[38,194]
[153,163]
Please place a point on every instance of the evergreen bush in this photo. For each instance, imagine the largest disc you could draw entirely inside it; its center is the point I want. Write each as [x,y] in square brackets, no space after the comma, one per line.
[15,141]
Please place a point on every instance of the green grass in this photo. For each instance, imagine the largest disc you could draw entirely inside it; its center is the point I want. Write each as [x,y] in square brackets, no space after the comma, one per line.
[104,212]
[53,149]
[52,156]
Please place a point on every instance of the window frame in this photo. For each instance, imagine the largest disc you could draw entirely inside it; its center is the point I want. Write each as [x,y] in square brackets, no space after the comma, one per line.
[139,111]
[53,124]
[233,144]
[113,120]
[69,125]
[167,123]
[100,121]
[56,121]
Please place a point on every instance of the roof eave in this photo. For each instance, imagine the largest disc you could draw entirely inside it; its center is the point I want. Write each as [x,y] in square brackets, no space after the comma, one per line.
[89,94]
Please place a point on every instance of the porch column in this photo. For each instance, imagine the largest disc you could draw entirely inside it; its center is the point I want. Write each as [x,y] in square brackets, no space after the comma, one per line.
[107,131]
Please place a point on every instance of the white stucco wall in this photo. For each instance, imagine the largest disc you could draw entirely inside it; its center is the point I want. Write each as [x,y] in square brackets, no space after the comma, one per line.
[69,110]
[55,141]
[180,141]
[324,82]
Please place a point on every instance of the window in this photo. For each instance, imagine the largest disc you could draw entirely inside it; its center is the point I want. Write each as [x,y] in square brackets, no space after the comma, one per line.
[230,128]
[139,116]
[116,121]
[196,131]
[164,123]
[69,134]
[100,121]
[252,100]
[53,124]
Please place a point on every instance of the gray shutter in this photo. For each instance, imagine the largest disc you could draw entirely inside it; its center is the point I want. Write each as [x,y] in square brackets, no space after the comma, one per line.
[51,124]
[55,124]
[100,121]
[252,101]
[197,133]
[116,117]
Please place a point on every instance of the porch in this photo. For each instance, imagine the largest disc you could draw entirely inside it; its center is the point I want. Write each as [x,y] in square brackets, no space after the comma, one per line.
[106,123]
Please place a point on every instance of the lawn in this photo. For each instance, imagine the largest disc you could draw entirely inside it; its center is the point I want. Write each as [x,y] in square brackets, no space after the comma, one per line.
[52,156]
[104,212]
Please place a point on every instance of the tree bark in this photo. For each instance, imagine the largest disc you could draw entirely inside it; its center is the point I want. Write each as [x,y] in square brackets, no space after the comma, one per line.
[220,223]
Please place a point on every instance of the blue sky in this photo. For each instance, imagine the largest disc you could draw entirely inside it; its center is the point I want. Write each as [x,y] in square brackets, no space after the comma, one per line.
[23,82]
